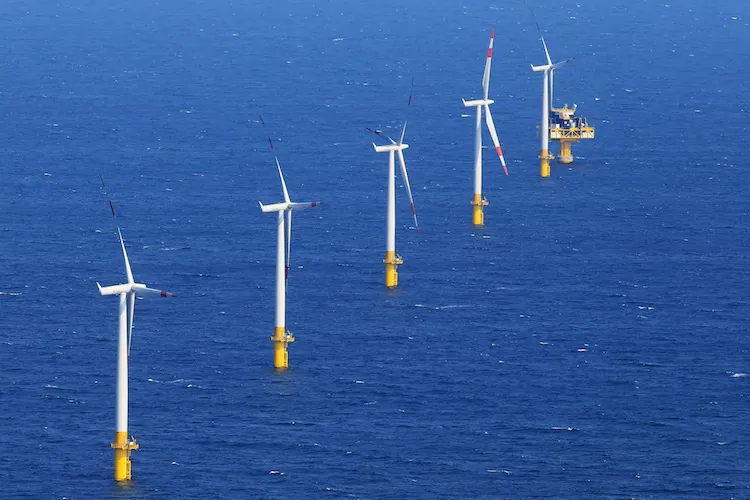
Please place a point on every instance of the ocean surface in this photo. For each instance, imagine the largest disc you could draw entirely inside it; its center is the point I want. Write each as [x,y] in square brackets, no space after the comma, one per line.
[590,341]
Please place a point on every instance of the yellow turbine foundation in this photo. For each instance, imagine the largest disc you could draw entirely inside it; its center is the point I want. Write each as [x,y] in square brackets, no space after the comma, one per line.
[280,353]
[566,155]
[391,274]
[479,204]
[123,447]
[545,157]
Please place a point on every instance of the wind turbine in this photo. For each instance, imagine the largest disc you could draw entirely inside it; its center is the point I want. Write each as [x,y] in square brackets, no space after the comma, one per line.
[479,201]
[281,336]
[123,445]
[548,70]
[391,259]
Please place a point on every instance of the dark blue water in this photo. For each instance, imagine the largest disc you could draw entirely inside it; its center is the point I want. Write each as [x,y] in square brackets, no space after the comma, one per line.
[589,342]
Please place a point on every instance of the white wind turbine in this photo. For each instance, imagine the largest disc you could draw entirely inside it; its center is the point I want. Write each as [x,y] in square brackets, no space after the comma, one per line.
[391,259]
[548,70]
[479,202]
[127,293]
[281,336]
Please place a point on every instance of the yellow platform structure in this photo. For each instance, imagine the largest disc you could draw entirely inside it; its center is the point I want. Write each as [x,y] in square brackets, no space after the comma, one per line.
[123,447]
[566,128]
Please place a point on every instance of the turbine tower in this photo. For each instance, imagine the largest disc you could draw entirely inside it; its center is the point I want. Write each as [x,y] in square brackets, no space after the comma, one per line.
[127,292]
[281,336]
[392,260]
[479,202]
[548,69]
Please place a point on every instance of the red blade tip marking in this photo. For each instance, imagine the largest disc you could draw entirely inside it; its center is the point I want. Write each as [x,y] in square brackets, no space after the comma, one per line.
[489,53]
[493,33]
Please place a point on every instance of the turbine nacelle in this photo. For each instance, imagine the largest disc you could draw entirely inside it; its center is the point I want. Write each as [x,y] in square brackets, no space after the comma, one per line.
[477,102]
[390,147]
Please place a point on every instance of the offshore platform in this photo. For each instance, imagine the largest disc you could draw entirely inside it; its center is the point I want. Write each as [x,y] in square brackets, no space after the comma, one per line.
[566,128]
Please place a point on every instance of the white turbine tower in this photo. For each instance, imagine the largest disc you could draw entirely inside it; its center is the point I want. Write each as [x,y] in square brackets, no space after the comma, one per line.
[127,293]
[281,336]
[548,69]
[391,259]
[479,202]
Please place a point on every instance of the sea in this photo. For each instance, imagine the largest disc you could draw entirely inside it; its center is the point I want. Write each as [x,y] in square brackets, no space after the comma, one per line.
[589,342]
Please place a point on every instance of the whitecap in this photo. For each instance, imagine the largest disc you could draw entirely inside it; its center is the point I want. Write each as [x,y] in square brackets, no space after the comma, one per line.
[451,306]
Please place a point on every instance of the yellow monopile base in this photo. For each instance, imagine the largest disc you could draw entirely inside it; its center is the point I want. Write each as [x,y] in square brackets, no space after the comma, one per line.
[123,447]
[391,275]
[566,155]
[280,353]
[545,157]
[479,204]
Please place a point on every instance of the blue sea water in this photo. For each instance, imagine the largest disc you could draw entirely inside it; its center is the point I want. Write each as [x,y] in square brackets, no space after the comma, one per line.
[589,342]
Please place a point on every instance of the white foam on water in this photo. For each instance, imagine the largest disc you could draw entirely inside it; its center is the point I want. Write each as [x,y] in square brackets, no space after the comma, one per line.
[451,306]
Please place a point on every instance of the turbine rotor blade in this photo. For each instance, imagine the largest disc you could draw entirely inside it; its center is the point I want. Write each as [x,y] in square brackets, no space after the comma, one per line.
[561,63]
[493,133]
[144,291]
[278,167]
[288,246]
[551,87]
[546,52]
[380,133]
[303,205]
[283,184]
[128,270]
[486,76]
[405,177]
[131,314]
[403,132]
